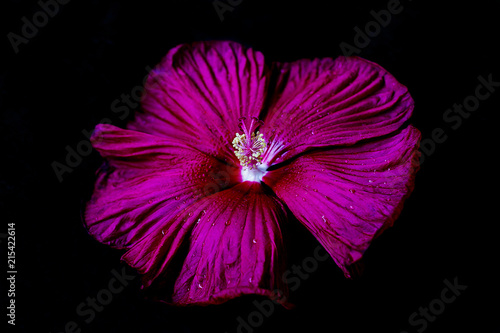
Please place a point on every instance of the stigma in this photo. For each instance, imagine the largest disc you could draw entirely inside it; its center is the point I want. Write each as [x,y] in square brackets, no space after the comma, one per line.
[250,146]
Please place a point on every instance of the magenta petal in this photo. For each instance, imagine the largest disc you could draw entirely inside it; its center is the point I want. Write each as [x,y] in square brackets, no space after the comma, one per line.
[347,196]
[199,91]
[145,182]
[235,248]
[326,102]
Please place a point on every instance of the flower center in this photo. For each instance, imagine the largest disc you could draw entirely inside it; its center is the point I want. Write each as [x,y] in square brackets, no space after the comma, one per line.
[254,175]
[249,146]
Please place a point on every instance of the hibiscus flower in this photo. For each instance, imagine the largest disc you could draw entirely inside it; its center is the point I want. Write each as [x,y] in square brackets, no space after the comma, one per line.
[228,147]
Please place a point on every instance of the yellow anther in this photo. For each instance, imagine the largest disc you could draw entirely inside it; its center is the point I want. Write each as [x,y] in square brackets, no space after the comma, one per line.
[249,151]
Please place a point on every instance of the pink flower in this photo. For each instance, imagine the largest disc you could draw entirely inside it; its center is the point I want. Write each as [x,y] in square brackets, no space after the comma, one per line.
[199,186]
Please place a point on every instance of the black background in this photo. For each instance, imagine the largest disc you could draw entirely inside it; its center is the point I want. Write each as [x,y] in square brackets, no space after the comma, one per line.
[65,78]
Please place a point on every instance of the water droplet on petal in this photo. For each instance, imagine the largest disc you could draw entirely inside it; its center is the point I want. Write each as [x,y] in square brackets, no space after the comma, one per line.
[163,232]
[200,286]
[177,198]
[150,201]
[351,207]
[370,181]
[228,222]
[352,191]
[250,280]
[254,241]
